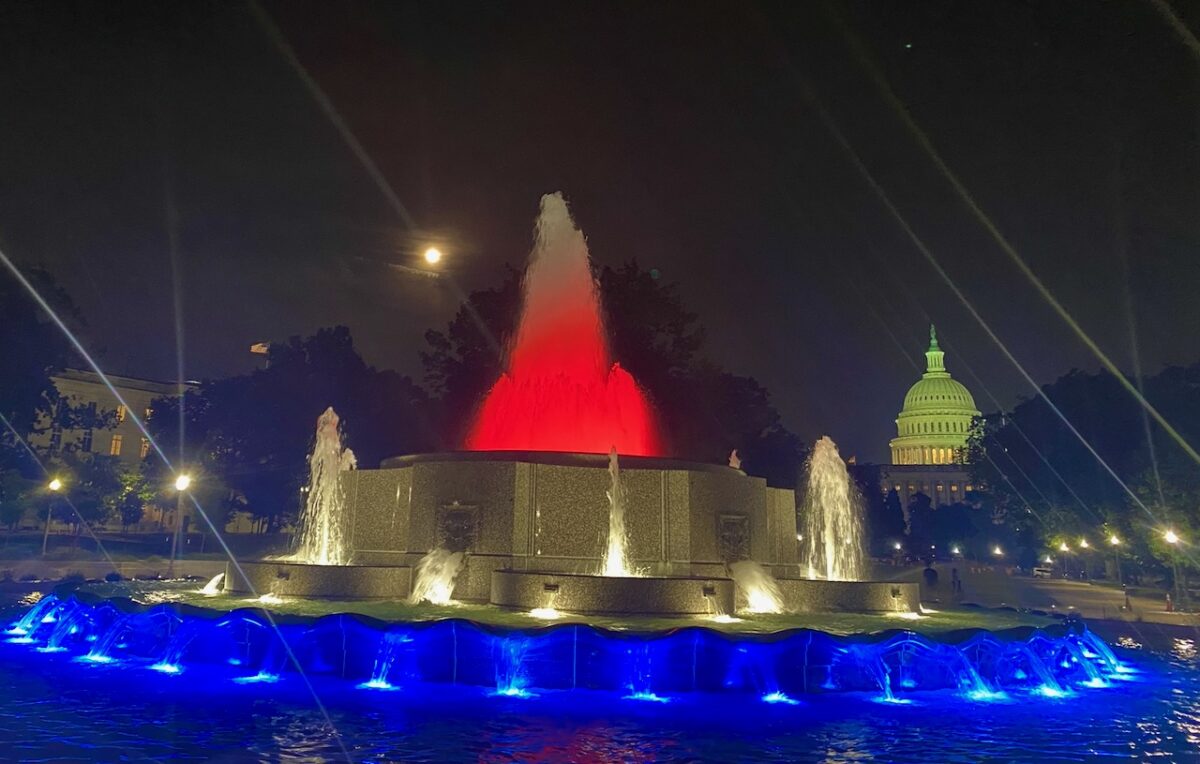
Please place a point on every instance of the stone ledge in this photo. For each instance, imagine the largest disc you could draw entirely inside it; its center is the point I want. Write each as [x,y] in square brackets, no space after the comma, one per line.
[293,579]
[598,595]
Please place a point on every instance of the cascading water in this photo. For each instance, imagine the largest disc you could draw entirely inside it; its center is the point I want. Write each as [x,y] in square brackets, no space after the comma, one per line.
[213,587]
[435,577]
[760,587]
[616,554]
[561,390]
[832,517]
[322,535]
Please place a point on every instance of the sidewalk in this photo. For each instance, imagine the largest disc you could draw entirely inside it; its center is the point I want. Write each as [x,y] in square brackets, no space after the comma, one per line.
[55,569]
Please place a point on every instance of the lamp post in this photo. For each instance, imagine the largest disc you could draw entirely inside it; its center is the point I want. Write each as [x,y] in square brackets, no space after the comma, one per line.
[1115,542]
[1173,539]
[182,482]
[54,486]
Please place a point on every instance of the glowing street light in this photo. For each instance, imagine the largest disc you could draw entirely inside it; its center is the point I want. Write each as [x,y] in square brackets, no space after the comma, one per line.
[1048,560]
[1170,537]
[955,550]
[1083,544]
[183,482]
[1114,540]
[896,546]
[1063,547]
[433,255]
[54,486]
[998,552]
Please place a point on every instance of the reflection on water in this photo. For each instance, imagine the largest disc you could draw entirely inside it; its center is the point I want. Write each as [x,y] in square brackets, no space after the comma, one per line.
[73,710]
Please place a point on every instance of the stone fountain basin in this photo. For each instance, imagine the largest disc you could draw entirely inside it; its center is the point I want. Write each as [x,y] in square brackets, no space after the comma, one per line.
[297,579]
[803,595]
[604,595]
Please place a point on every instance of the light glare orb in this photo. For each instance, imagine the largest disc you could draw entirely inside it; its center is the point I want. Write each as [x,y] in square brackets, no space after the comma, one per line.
[55,485]
[1170,537]
[1114,540]
[183,482]
[433,255]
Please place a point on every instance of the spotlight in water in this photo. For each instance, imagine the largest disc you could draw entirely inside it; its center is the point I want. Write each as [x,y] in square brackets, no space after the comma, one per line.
[647,696]
[724,618]
[1046,691]
[779,697]
[986,696]
[908,616]
[269,599]
[433,255]
[95,658]
[514,692]
[20,641]
[376,684]
[166,668]
[261,677]
[545,613]
[49,649]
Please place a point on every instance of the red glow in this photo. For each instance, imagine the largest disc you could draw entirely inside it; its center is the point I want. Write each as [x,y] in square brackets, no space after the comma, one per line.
[562,392]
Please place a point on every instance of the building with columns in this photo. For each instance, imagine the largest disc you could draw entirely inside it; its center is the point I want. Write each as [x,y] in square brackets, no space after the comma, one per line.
[929,450]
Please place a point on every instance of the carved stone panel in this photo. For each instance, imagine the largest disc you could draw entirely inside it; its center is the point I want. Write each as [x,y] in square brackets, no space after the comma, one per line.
[733,537]
[457,527]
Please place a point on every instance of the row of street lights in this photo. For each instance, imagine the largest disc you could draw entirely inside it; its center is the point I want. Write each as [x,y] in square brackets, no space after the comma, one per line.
[181,483]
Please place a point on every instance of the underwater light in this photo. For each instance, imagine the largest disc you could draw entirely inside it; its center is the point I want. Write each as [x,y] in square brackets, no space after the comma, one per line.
[1046,691]
[724,618]
[269,599]
[1095,682]
[779,697]
[893,700]
[166,668]
[17,631]
[89,658]
[20,641]
[376,684]
[514,692]
[545,613]
[647,696]
[49,649]
[908,616]
[261,677]
[986,696]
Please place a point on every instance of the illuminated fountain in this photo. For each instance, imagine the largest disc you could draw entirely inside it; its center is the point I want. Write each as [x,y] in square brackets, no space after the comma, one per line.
[616,554]
[322,536]
[322,564]
[832,511]
[561,390]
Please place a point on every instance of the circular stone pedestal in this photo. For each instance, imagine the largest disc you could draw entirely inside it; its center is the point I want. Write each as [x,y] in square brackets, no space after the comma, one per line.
[601,595]
[295,579]
[816,596]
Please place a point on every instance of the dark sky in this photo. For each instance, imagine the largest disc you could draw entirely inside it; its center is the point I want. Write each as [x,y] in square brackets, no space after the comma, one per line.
[682,136]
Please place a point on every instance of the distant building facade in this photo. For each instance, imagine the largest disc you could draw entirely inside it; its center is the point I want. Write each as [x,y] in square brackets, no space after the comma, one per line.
[929,450]
[124,440]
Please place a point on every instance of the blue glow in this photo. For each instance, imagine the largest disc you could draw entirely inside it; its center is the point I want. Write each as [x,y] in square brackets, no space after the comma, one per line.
[261,677]
[48,649]
[20,641]
[166,668]
[17,631]
[376,684]
[987,696]
[89,658]
[1046,691]
[514,692]
[1096,682]
[779,697]
[647,696]
[892,700]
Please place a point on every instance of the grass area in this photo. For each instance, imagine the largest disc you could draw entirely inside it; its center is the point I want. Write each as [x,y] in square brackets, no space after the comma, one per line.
[944,620]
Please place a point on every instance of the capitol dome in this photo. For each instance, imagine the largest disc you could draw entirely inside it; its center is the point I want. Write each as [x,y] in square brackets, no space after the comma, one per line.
[933,425]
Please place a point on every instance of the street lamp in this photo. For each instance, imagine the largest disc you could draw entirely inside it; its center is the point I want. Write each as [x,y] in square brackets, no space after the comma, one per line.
[998,551]
[1083,544]
[433,255]
[183,481]
[1173,539]
[54,486]
[1063,547]
[1115,542]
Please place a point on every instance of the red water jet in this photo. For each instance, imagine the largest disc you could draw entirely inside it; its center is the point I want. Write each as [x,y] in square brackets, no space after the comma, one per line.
[562,391]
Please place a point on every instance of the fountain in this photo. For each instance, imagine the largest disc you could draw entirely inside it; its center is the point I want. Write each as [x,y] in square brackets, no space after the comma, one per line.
[321,540]
[616,555]
[321,565]
[561,390]
[833,533]
[539,513]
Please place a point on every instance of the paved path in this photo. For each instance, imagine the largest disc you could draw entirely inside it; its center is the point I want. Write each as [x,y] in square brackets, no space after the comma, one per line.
[993,587]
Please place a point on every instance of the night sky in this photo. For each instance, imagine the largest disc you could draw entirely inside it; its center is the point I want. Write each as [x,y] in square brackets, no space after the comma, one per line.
[682,135]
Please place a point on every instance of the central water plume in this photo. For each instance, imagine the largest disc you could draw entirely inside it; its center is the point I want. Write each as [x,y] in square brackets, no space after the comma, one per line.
[760,587]
[322,535]
[832,517]
[616,555]
[561,390]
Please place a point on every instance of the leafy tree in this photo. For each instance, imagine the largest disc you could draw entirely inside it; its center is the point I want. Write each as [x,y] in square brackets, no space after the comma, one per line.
[34,349]
[251,434]
[654,337]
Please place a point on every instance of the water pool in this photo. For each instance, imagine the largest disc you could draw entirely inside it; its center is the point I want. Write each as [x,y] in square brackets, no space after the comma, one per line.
[59,708]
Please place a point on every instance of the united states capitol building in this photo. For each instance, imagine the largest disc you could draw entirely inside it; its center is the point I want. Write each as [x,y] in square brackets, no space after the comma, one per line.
[929,450]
